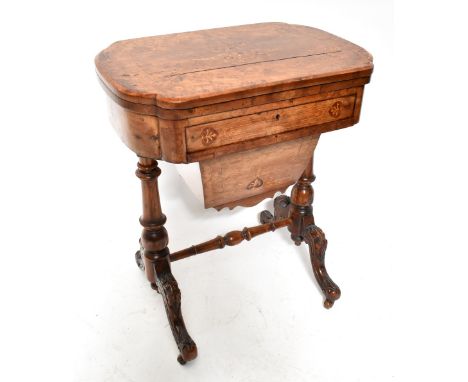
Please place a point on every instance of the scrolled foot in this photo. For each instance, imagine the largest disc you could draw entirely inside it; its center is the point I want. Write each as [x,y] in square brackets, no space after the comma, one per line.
[167,286]
[317,242]
[328,303]
[188,354]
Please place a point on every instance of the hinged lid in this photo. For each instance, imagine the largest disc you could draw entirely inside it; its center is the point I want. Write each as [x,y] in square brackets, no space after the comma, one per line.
[184,70]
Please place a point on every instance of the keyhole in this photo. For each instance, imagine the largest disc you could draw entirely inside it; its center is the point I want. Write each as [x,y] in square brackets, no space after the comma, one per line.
[277,117]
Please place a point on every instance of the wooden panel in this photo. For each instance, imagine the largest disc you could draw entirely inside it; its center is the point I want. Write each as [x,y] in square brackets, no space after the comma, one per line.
[173,140]
[281,104]
[240,176]
[357,107]
[314,130]
[139,132]
[267,123]
[185,70]
[267,98]
[238,104]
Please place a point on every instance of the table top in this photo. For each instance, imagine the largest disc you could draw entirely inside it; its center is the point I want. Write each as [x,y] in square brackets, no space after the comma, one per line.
[184,70]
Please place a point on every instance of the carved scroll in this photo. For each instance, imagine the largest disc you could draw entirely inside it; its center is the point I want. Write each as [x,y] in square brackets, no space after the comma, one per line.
[317,242]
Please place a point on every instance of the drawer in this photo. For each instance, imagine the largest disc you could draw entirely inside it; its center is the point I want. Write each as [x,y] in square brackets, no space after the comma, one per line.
[271,122]
[245,178]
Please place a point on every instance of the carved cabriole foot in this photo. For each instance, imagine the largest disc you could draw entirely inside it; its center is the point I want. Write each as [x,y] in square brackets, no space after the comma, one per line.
[317,242]
[153,257]
[303,228]
[167,286]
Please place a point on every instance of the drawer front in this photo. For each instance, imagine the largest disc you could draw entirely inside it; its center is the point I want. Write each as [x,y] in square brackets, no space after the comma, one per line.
[232,130]
[233,178]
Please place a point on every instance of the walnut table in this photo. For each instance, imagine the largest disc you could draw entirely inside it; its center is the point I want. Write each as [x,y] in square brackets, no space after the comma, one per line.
[249,104]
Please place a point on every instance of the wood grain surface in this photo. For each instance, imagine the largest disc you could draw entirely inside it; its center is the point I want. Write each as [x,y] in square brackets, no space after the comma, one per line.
[260,171]
[276,121]
[190,69]
[139,132]
[247,102]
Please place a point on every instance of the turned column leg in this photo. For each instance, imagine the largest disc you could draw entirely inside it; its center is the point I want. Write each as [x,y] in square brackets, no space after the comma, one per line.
[303,228]
[154,257]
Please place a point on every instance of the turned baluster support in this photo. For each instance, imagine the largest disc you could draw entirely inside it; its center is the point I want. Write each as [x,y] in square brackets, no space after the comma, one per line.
[154,257]
[302,197]
[303,229]
[231,238]
[295,213]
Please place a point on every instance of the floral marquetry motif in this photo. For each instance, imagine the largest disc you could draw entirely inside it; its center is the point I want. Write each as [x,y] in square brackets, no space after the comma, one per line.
[256,183]
[208,136]
[335,109]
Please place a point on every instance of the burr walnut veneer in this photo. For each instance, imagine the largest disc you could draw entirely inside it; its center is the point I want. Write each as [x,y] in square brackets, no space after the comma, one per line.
[249,104]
